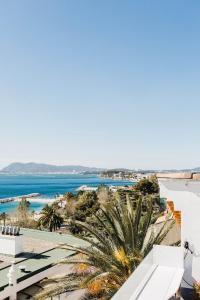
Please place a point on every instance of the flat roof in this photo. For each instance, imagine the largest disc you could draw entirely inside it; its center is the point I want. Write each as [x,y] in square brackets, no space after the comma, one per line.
[54,237]
[34,264]
[41,260]
[181,185]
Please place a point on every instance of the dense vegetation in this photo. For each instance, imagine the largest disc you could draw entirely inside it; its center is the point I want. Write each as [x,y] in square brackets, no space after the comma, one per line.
[115,226]
[112,253]
[83,206]
[87,205]
[147,186]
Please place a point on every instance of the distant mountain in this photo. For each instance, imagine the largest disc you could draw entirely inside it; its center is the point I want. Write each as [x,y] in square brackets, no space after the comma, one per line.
[35,168]
[196,169]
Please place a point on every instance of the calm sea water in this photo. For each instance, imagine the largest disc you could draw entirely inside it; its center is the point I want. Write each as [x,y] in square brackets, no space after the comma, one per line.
[46,185]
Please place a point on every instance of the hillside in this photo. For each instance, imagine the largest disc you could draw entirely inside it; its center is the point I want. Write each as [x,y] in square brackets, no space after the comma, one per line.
[35,168]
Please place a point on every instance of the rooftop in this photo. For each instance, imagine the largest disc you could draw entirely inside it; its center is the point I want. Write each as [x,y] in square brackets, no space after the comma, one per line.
[41,252]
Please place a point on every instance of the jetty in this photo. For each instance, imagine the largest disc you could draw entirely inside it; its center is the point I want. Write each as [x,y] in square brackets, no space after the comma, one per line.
[17,198]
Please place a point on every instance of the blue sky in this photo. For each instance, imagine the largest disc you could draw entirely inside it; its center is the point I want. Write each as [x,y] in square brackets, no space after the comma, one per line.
[100,83]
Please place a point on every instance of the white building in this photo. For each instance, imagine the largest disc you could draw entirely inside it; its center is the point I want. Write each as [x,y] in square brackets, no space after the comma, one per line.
[185,195]
[167,269]
[28,258]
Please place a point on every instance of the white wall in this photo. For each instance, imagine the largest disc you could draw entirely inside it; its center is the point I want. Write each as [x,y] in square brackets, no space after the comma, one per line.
[164,256]
[133,284]
[186,198]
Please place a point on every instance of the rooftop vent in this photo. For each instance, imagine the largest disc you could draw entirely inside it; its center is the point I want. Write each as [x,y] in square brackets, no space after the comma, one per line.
[10,230]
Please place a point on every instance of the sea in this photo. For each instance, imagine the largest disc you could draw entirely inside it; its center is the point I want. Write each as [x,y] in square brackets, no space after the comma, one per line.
[48,186]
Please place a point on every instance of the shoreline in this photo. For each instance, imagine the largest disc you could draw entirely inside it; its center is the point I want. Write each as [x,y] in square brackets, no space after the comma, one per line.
[36,204]
[35,200]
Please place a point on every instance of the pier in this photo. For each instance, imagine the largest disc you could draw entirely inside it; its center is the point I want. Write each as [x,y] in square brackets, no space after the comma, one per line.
[17,198]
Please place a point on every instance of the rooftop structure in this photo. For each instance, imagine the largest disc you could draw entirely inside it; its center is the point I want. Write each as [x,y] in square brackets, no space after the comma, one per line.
[185,196]
[11,241]
[167,269]
[38,260]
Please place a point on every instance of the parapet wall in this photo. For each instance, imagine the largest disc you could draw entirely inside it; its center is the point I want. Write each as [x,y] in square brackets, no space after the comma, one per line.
[179,175]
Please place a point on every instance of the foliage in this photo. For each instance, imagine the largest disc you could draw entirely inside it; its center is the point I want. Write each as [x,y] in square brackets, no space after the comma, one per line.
[148,186]
[50,218]
[3,217]
[197,290]
[104,194]
[23,212]
[68,195]
[70,203]
[85,208]
[113,253]
[23,205]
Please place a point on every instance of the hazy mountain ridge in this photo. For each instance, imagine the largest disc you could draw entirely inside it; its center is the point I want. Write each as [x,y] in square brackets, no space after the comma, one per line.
[37,168]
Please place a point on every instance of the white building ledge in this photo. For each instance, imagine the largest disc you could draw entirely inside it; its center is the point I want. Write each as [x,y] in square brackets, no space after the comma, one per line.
[158,276]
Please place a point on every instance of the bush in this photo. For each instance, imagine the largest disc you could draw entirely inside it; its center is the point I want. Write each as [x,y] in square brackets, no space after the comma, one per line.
[148,186]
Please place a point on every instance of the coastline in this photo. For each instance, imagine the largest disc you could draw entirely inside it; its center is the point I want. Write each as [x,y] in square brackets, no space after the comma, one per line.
[41,190]
[118,178]
[9,205]
[11,199]
[39,200]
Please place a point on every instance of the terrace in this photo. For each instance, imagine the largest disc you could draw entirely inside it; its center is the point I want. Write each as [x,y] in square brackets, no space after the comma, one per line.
[166,270]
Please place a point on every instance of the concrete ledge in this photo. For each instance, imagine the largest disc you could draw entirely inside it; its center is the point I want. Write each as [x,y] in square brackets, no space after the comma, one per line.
[196,176]
[177,175]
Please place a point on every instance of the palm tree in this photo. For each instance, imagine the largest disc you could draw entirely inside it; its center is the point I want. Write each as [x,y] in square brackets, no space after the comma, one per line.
[115,248]
[50,218]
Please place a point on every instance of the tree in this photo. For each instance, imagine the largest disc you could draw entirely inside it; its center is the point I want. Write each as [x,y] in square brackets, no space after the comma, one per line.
[86,206]
[68,196]
[147,186]
[3,216]
[70,203]
[50,218]
[112,254]
[104,194]
[23,211]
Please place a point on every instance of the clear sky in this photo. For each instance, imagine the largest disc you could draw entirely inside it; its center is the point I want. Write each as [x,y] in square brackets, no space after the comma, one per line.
[106,83]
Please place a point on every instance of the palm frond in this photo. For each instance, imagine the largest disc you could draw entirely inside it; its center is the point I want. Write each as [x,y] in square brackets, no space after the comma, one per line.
[121,237]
